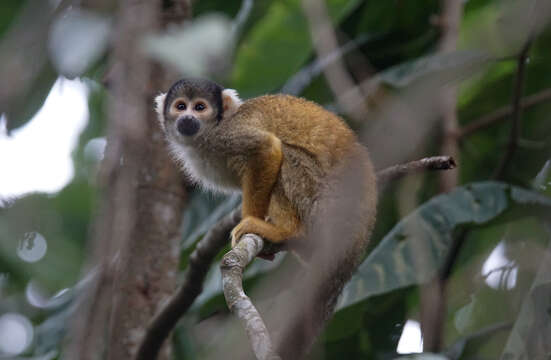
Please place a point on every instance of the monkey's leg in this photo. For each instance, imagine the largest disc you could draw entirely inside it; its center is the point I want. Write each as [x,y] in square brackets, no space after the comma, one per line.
[258,181]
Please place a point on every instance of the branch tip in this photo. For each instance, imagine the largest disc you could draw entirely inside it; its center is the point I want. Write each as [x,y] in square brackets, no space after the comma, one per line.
[396,172]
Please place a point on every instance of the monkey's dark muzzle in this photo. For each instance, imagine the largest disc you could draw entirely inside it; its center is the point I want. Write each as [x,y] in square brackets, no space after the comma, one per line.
[188,125]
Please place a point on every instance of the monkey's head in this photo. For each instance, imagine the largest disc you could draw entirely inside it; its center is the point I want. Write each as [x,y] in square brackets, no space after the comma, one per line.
[192,106]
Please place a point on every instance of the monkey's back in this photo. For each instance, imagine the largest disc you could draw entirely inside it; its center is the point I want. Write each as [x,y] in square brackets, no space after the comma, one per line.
[303,124]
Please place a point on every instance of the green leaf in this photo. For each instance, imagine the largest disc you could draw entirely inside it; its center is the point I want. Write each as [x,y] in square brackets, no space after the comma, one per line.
[502,27]
[542,182]
[50,333]
[228,8]
[492,273]
[457,349]
[23,108]
[203,213]
[530,336]
[413,251]
[49,356]
[423,356]
[464,315]
[278,45]
[10,10]
[476,87]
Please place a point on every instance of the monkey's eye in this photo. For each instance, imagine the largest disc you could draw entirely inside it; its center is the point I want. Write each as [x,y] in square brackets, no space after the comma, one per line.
[200,106]
[181,106]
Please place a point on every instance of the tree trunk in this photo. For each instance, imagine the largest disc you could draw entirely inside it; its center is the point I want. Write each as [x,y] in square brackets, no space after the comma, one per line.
[136,241]
[149,256]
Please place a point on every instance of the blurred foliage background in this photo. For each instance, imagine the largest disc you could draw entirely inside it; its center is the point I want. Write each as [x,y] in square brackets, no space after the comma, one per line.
[498,289]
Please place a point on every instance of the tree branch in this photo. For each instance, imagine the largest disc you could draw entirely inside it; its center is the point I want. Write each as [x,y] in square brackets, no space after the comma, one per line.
[516,113]
[396,172]
[199,262]
[240,304]
[450,20]
[502,113]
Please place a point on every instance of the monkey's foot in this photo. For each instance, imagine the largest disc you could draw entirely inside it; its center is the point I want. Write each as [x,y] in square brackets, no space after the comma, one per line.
[253,225]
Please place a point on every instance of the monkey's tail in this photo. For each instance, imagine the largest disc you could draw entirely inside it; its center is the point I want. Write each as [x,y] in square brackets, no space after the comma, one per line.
[339,230]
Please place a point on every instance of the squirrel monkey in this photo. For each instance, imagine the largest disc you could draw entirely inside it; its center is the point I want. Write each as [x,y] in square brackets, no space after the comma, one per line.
[276,149]
[286,155]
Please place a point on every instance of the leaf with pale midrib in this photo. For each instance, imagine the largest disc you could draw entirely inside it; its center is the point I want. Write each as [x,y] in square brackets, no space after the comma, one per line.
[413,251]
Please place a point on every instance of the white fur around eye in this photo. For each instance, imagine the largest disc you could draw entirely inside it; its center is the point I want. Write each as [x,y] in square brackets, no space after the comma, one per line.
[159,108]
[231,102]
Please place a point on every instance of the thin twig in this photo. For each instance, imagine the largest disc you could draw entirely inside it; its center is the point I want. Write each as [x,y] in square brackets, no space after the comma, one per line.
[500,269]
[241,18]
[298,82]
[347,93]
[199,262]
[516,114]
[395,172]
[503,112]
[238,302]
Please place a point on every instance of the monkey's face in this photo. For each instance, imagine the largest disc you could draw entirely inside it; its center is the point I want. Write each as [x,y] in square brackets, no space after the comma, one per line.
[188,115]
[192,107]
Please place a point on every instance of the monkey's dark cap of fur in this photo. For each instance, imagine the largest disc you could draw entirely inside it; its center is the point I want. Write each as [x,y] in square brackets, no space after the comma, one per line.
[193,88]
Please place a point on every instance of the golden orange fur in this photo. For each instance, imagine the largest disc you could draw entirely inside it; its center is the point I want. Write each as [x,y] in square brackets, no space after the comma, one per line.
[279,150]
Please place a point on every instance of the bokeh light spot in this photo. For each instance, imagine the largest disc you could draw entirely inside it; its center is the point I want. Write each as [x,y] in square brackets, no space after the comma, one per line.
[32,247]
[16,333]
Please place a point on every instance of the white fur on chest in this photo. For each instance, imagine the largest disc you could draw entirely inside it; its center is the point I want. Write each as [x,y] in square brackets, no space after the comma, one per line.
[207,171]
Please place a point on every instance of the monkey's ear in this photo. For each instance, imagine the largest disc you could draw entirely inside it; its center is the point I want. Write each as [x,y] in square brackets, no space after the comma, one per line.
[230,102]
[159,108]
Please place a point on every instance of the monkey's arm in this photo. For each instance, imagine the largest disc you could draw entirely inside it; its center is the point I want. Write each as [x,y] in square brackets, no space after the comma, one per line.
[258,178]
